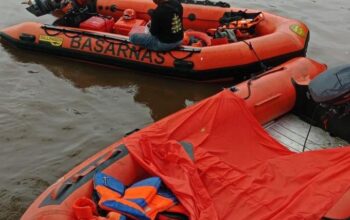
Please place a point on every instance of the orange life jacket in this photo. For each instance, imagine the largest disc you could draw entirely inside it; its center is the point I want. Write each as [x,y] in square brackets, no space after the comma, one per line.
[142,200]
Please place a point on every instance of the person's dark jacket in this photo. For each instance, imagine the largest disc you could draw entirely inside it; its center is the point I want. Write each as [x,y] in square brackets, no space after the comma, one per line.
[166,23]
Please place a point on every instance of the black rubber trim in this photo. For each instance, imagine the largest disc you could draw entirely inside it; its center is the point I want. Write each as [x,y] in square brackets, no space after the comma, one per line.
[236,73]
[71,187]
[185,65]
[27,37]
[173,216]
[131,132]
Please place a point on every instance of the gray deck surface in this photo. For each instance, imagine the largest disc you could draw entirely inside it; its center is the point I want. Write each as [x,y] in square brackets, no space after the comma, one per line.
[292,131]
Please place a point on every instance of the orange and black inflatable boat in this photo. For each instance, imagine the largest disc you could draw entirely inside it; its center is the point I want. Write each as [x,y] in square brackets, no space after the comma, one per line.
[218,160]
[220,42]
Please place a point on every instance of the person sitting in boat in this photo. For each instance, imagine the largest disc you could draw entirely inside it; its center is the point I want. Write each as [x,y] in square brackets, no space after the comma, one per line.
[166,28]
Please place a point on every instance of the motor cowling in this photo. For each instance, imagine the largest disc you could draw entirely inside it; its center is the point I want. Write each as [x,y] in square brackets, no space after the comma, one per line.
[325,102]
[332,87]
[43,7]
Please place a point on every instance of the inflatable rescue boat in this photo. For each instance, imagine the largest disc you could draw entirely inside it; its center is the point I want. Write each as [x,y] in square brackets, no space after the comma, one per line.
[321,100]
[217,160]
[219,42]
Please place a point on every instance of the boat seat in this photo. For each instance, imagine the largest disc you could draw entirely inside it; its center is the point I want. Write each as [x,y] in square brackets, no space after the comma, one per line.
[331,86]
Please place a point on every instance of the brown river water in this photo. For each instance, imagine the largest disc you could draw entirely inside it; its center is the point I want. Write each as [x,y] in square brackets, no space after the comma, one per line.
[54,112]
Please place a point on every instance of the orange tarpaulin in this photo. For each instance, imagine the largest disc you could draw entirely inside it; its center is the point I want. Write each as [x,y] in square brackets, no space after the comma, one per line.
[238,170]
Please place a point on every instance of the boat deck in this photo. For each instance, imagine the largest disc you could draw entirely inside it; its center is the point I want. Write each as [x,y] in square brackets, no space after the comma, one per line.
[292,131]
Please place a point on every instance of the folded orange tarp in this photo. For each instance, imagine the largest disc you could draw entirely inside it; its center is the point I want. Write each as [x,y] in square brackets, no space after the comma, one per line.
[238,170]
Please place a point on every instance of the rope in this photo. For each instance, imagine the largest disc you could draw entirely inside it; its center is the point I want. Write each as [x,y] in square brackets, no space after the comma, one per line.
[249,83]
[52,35]
[183,58]
[262,65]
[308,133]
[74,35]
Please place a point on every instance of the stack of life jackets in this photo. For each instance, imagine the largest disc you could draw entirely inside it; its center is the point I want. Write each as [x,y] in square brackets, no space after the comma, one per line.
[143,200]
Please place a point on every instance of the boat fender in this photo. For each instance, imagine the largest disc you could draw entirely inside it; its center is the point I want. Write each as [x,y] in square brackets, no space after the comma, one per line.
[27,38]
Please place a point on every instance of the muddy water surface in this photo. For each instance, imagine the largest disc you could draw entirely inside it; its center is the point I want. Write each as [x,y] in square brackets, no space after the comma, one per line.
[55,112]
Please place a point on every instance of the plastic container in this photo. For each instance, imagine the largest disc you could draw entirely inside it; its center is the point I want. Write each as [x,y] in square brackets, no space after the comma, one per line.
[123,26]
[98,23]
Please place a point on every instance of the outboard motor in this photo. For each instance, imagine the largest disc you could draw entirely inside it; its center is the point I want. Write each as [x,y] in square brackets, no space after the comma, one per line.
[332,88]
[74,11]
[43,7]
[325,102]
